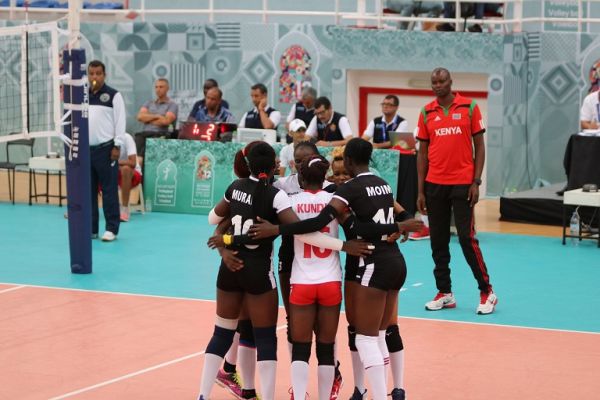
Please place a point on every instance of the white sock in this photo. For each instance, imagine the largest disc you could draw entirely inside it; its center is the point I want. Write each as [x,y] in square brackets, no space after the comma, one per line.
[325,374]
[126,209]
[212,363]
[397,364]
[299,373]
[232,354]
[266,372]
[247,365]
[425,219]
[385,353]
[372,359]
[358,371]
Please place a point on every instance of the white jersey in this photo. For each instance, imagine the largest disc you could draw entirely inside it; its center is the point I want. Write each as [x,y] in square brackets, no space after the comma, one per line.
[291,186]
[313,264]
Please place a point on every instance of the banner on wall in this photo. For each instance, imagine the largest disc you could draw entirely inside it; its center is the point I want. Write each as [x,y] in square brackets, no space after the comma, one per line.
[563,9]
[189,176]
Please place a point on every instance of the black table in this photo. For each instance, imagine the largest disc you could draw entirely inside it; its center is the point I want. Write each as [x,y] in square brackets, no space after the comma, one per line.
[581,161]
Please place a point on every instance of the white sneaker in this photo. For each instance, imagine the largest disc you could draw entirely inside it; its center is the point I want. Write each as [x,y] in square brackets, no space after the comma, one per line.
[441,300]
[108,236]
[487,303]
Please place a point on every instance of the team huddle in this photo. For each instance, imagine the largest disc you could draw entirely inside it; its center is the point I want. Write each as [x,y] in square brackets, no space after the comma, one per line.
[307,211]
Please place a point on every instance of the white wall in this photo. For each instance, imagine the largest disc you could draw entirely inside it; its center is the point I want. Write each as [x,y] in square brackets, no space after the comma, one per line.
[410,106]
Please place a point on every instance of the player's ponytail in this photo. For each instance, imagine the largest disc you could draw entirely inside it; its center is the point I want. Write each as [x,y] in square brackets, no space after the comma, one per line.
[261,160]
[240,161]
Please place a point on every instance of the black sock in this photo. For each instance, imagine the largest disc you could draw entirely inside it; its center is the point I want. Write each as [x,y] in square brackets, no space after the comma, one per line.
[248,393]
[229,368]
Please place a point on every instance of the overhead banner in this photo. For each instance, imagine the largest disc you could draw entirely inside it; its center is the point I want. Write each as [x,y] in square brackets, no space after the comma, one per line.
[190,176]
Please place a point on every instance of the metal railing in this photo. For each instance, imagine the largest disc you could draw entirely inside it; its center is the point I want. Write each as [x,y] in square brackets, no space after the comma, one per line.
[360,17]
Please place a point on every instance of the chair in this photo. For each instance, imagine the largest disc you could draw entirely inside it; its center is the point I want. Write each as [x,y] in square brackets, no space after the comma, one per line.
[11,167]
[140,206]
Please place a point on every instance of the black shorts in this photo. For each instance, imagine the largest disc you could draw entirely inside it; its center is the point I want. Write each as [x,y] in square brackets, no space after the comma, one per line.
[257,277]
[385,269]
[286,255]
[350,268]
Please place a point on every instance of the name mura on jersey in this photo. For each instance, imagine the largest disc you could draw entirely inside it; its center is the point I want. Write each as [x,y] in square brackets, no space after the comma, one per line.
[242,197]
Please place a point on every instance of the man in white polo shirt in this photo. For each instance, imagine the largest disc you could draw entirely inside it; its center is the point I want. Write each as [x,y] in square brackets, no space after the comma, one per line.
[107,127]
[590,111]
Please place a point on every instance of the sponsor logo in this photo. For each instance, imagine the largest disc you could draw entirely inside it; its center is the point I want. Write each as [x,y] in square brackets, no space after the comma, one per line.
[104,97]
[453,130]
[456,116]
[437,118]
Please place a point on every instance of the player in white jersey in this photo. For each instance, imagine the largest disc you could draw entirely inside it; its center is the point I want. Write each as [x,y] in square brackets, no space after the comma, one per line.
[316,283]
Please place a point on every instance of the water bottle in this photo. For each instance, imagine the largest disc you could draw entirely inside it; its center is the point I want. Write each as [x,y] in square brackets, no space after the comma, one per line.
[574,227]
[148,204]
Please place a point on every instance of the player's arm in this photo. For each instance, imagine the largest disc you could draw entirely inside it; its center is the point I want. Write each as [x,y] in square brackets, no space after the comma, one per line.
[144,116]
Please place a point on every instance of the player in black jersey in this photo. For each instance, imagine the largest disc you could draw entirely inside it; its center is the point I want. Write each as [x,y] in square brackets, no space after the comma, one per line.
[246,200]
[381,274]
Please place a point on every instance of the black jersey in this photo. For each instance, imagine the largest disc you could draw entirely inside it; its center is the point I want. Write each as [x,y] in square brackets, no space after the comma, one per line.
[240,195]
[370,198]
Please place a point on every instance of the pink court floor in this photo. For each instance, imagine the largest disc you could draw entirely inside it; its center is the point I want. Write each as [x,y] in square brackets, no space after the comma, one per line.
[65,343]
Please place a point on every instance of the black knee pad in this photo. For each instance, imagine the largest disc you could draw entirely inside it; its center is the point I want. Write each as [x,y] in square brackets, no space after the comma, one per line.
[301,351]
[266,343]
[393,340]
[246,333]
[325,353]
[352,338]
[220,342]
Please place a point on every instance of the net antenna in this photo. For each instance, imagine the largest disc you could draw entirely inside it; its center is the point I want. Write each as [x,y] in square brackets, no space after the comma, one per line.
[77,149]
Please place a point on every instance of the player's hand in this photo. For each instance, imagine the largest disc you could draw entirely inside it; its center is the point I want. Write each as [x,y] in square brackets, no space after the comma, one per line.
[262,104]
[358,248]
[115,153]
[230,260]
[263,229]
[473,194]
[411,225]
[215,242]
[393,237]
[421,206]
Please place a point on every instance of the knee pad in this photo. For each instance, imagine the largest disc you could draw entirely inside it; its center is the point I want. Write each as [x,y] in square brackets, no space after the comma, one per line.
[352,338]
[325,353]
[221,341]
[368,348]
[266,343]
[301,351]
[246,333]
[393,339]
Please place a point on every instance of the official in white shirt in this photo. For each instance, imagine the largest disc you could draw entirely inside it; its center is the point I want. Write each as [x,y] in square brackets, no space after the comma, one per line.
[329,128]
[107,130]
[590,111]
[379,128]
[262,116]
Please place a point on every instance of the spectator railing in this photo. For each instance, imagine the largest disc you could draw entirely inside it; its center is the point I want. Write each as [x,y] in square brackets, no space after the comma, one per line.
[10,9]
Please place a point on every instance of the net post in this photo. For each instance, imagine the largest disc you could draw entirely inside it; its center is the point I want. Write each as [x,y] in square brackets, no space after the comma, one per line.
[77,155]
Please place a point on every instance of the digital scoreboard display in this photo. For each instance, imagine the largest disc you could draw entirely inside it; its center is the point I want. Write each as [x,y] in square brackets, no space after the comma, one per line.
[206,131]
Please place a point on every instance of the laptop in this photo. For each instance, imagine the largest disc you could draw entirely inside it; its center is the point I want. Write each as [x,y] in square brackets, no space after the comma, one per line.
[247,135]
[403,140]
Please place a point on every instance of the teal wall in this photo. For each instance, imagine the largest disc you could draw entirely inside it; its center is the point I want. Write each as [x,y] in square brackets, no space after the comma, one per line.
[536,80]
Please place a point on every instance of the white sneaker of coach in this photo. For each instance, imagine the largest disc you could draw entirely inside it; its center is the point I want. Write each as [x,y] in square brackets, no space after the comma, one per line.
[108,236]
[487,303]
[441,300]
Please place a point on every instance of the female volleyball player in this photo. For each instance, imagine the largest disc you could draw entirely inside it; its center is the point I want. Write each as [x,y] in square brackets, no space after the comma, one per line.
[316,294]
[381,274]
[247,200]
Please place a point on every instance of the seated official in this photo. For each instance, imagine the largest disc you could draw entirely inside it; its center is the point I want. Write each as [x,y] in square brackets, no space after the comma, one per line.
[329,128]
[130,174]
[590,111]
[262,116]
[379,128]
[156,115]
[212,109]
[209,84]
[305,108]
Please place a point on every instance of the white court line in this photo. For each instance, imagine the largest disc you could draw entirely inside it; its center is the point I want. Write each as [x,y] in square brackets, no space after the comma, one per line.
[136,373]
[212,301]
[12,288]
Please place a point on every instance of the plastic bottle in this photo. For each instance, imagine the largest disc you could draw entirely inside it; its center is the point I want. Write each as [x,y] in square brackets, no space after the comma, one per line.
[574,227]
[148,204]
